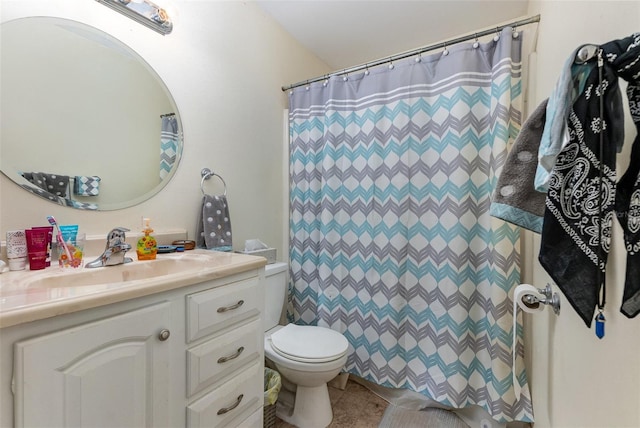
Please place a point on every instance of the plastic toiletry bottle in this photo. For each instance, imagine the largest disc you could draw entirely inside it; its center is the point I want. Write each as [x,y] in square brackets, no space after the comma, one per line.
[147,246]
[16,249]
[37,245]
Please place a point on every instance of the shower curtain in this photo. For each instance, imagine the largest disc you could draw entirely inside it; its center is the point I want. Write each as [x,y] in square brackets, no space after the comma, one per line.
[168,144]
[392,244]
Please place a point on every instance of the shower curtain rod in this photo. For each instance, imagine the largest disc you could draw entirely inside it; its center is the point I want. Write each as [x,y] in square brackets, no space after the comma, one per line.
[418,51]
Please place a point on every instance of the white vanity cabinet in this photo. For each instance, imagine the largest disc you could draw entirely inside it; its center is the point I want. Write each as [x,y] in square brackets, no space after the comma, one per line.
[112,372]
[225,359]
[191,356]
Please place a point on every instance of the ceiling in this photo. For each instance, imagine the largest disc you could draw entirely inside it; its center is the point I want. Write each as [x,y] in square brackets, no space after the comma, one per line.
[352,32]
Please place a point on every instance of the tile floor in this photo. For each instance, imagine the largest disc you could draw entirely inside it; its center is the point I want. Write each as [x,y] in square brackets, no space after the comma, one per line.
[353,407]
[357,407]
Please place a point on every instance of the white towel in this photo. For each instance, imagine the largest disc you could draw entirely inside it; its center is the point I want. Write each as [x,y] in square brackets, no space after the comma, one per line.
[214,224]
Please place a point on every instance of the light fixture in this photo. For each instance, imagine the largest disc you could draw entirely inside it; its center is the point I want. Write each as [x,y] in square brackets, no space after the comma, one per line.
[145,12]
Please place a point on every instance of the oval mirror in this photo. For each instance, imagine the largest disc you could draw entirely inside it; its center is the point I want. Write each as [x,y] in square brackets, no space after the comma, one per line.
[85,121]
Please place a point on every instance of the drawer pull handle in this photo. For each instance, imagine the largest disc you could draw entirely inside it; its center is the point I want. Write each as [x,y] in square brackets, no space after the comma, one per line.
[232,307]
[231,357]
[233,406]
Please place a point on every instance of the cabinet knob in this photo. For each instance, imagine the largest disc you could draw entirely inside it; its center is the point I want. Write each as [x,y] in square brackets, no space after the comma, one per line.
[164,335]
[233,406]
[232,307]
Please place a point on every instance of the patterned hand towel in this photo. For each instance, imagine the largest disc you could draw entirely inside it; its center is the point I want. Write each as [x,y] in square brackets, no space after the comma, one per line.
[515,198]
[84,185]
[214,224]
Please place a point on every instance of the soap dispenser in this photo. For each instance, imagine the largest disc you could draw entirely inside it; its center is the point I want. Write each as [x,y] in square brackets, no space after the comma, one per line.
[147,246]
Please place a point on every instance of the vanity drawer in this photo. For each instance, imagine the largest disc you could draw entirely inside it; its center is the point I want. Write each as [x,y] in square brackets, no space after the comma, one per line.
[231,403]
[218,358]
[218,308]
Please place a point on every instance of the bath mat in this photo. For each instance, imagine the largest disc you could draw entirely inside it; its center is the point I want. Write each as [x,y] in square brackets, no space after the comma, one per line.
[397,417]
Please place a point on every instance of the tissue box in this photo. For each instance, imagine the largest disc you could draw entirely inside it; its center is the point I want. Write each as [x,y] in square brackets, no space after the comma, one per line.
[268,253]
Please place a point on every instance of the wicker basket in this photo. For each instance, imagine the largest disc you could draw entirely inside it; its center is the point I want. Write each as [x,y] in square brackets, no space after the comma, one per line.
[269,416]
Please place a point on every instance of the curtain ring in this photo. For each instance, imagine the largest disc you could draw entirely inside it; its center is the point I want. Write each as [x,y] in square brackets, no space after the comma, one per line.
[445,52]
[514,33]
[476,44]
[497,36]
[366,69]
[419,57]
[391,66]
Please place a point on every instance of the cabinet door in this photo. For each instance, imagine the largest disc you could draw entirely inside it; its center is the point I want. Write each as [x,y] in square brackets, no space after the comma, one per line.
[108,373]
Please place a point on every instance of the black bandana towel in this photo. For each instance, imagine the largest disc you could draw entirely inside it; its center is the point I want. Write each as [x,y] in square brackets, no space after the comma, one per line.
[628,193]
[578,202]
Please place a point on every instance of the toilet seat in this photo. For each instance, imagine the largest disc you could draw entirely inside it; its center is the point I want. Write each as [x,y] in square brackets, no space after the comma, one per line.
[309,344]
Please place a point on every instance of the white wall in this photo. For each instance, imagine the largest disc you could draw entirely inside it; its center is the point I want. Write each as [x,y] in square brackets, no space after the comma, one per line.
[224,64]
[576,379]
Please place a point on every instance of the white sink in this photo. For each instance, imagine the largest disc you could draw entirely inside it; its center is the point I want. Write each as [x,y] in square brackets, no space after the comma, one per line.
[186,264]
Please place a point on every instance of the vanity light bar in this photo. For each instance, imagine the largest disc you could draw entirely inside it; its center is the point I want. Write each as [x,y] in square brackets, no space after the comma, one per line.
[144,12]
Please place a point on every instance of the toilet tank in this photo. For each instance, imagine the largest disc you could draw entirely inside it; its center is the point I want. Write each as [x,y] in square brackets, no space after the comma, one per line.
[275,292]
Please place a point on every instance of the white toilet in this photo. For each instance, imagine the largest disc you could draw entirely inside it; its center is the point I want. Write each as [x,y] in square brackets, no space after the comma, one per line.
[306,356]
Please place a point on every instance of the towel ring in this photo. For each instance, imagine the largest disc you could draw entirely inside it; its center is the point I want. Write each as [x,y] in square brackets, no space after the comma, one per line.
[206,174]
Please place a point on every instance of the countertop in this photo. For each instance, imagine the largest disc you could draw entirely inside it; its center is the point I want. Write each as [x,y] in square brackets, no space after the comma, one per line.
[27,296]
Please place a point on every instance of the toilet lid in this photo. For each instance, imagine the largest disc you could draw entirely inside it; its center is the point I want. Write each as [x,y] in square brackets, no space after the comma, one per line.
[309,343]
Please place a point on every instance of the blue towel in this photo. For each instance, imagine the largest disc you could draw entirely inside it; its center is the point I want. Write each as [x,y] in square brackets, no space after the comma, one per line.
[555,135]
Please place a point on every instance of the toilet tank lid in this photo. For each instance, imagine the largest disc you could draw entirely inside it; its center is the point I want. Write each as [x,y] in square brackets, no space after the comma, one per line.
[274,268]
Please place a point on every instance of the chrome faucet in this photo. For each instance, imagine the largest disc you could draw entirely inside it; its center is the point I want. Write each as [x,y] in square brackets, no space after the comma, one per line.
[114,253]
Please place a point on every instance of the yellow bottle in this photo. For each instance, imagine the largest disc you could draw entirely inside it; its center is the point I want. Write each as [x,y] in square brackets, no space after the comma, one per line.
[147,246]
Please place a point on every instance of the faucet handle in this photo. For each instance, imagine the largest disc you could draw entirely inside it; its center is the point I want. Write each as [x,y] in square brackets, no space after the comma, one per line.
[115,235]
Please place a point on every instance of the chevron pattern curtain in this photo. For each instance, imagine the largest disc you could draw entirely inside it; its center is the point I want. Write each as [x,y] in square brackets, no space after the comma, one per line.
[168,145]
[392,243]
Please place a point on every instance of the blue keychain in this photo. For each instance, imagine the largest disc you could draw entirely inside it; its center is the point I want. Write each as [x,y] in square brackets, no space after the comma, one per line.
[600,325]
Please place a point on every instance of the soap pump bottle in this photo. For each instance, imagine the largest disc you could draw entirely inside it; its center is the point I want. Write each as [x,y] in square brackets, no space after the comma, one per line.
[147,246]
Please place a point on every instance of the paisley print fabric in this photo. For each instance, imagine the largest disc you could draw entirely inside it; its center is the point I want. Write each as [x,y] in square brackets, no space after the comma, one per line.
[583,195]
